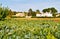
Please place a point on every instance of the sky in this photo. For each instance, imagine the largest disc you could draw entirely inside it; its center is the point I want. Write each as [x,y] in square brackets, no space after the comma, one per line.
[25,5]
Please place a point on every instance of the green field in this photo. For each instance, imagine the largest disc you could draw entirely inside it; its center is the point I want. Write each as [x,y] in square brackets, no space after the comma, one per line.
[29,29]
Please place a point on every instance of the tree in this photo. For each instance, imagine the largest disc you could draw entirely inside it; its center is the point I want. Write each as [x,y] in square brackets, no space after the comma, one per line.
[37,11]
[53,11]
[25,13]
[10,13]
[30,12]
[33,14]
[44,10]
[48,10]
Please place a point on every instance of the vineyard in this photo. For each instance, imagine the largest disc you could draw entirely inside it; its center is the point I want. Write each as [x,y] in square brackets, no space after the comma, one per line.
[29,29]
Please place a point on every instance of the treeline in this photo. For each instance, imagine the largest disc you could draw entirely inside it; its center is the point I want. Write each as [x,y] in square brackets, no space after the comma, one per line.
[6,12]
[52,10]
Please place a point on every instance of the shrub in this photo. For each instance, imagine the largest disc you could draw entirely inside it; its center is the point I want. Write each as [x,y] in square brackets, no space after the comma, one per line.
[3,12]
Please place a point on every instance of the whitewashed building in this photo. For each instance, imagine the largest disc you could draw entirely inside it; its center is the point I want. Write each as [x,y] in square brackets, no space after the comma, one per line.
[19,14]
[44,15]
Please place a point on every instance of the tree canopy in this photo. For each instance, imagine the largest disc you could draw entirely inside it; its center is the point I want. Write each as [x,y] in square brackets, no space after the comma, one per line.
[38,11]
[51,10]
[30,12]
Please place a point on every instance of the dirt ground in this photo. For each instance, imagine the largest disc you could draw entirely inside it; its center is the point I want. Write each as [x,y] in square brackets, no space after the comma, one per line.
[54,19]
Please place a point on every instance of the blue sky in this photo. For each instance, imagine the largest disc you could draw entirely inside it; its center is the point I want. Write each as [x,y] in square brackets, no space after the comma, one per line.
[24,5]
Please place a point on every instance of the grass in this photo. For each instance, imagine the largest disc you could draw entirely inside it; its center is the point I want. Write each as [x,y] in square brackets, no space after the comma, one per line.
[32,28]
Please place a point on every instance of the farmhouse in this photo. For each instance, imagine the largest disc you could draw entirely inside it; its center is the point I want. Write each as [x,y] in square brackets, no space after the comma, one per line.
[58,15]
[20,14]
[44,15]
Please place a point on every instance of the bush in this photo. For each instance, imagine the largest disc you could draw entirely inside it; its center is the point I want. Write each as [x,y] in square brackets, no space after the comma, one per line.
[3,12]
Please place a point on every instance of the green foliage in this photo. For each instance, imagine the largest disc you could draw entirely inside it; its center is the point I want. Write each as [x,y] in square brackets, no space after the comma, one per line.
[11,13]
[53,10]
[44,10]
[34,14]
[54,15]
[37,11]
[30,12]
[29,29]
[3,12]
